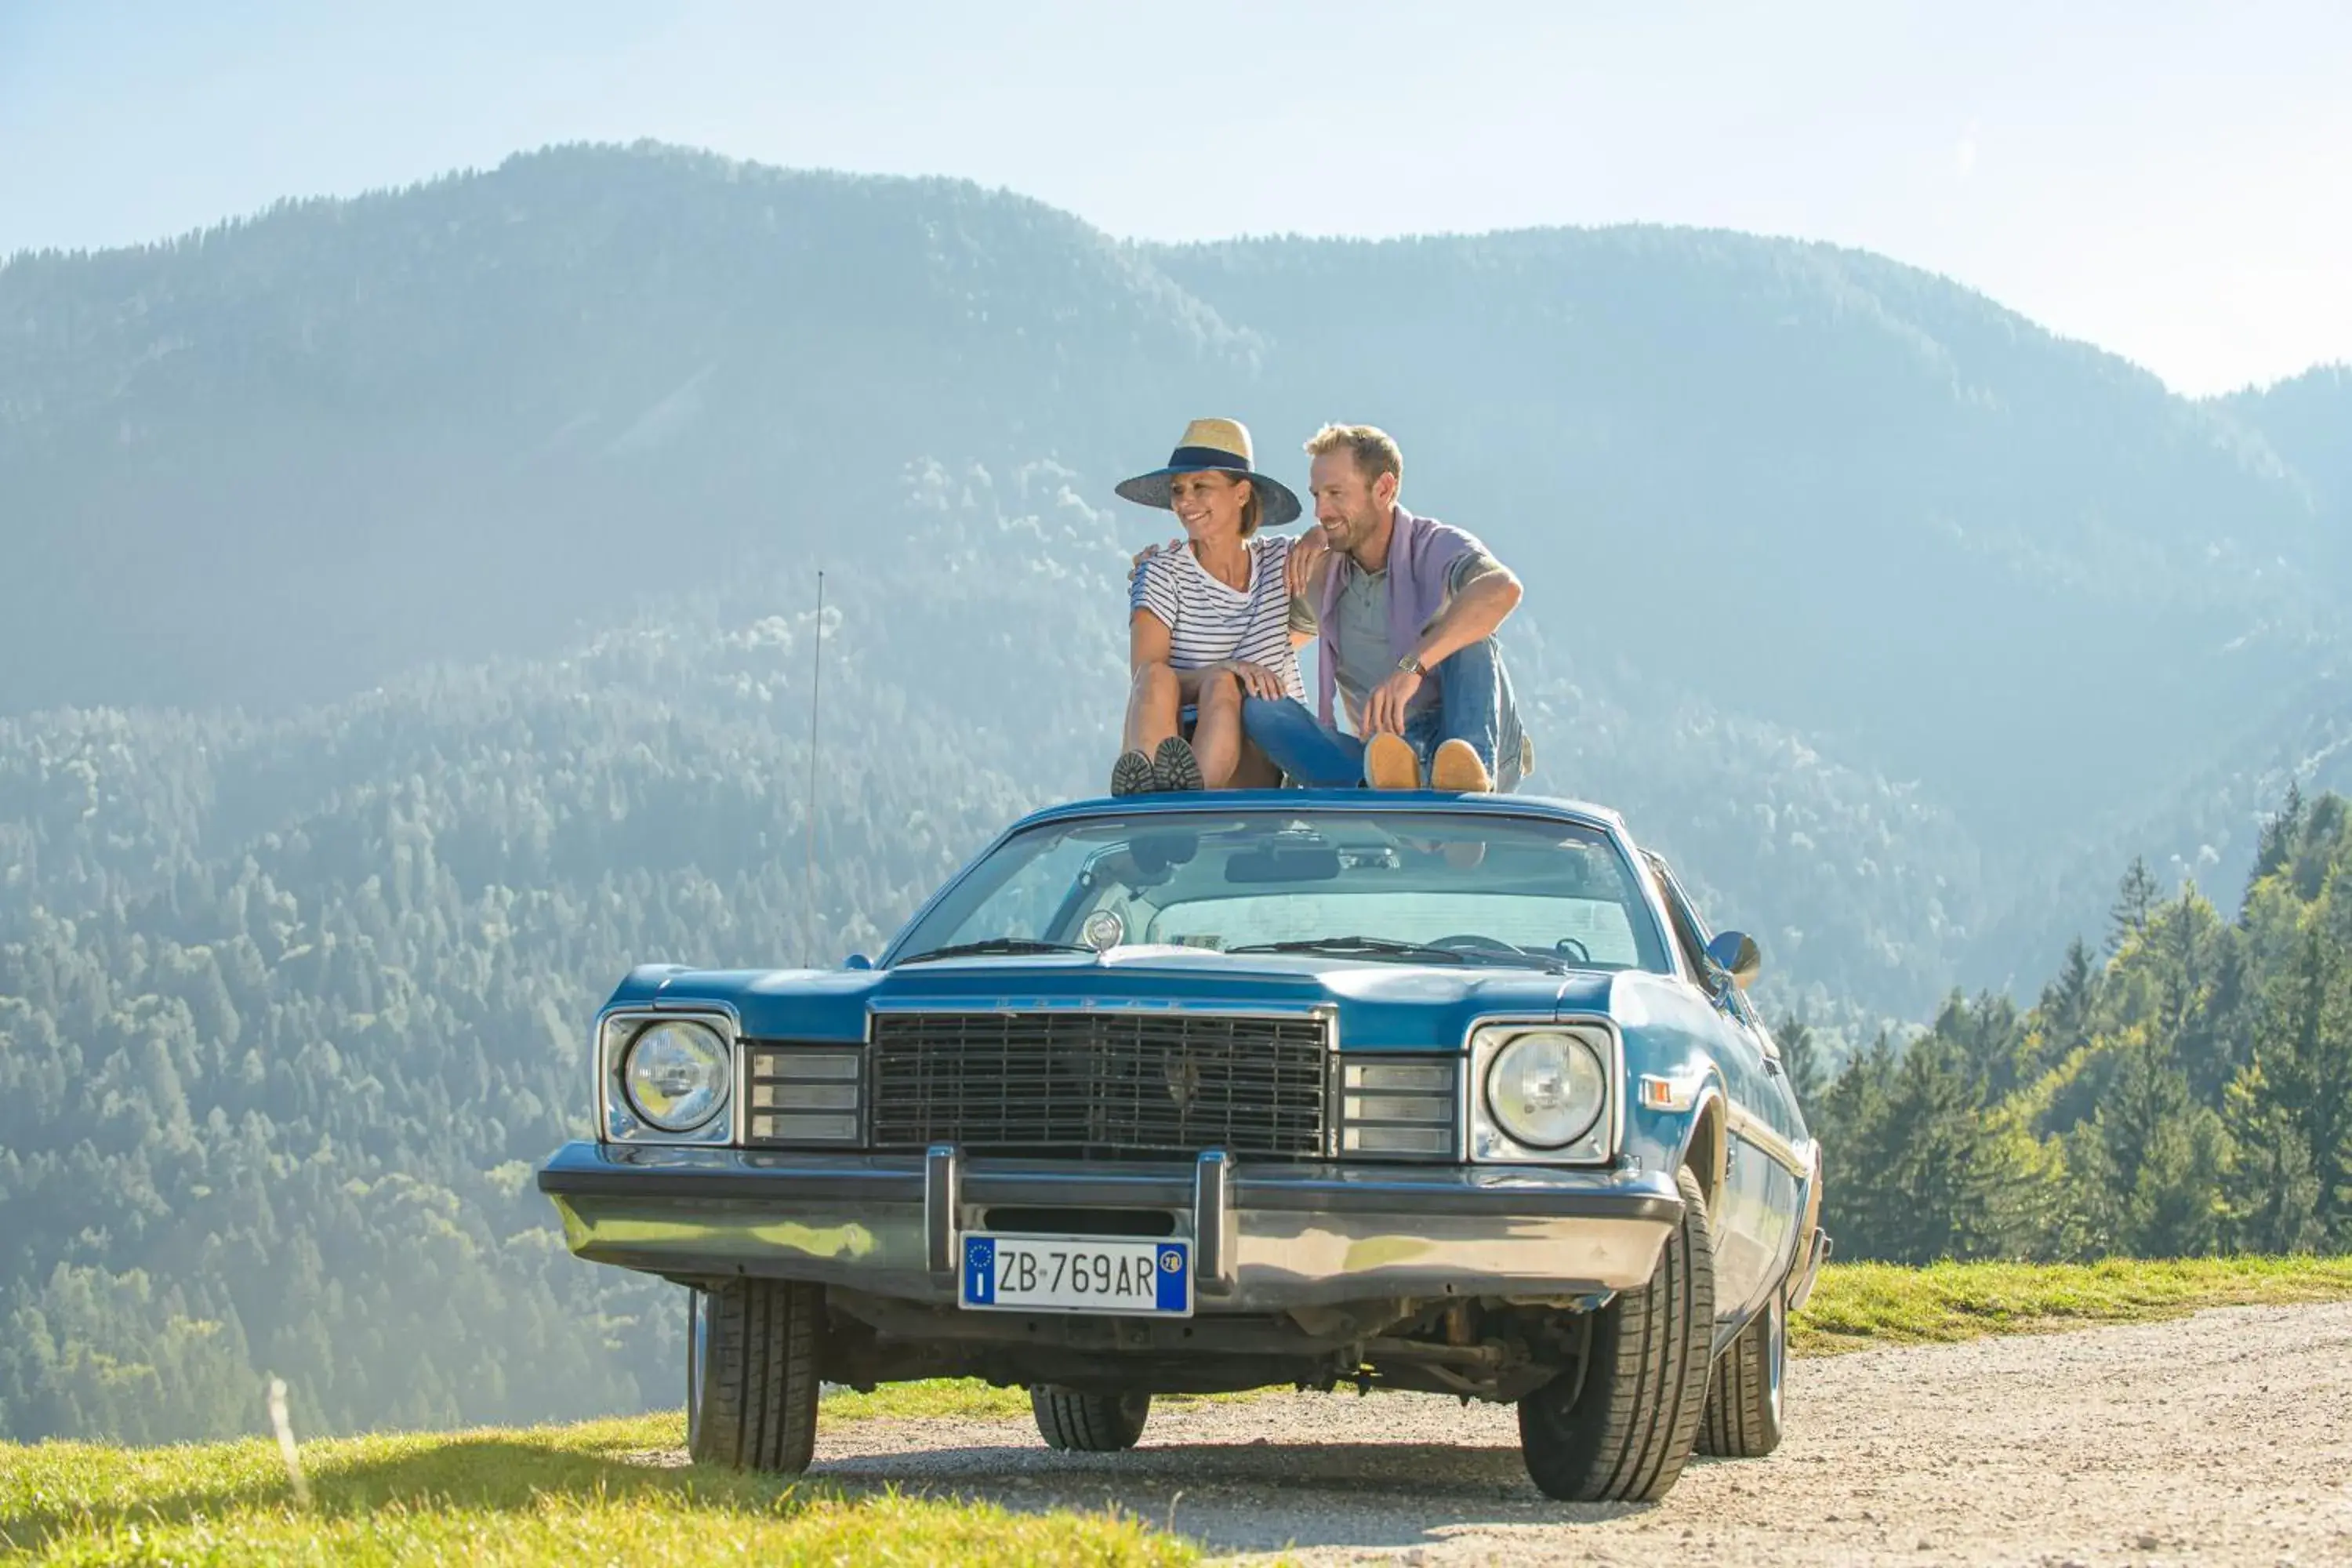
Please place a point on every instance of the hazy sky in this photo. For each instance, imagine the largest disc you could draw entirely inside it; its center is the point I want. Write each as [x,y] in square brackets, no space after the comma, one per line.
[2169,181]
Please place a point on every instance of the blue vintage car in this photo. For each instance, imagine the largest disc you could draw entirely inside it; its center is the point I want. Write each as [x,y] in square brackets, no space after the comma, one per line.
[1214,1091]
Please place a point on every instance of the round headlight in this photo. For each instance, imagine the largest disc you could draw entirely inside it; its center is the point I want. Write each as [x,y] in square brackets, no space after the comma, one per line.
[1545,1090]
[676,1075]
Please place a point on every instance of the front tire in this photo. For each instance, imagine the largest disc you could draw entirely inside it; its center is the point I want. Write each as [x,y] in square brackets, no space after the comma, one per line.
[1743,1398]
[1620,1429]
[753,1377]
[1089,1423]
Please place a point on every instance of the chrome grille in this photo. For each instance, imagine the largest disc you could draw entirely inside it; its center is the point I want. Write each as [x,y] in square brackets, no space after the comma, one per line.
[800,1094]
[1100,1084]
[1399,1106]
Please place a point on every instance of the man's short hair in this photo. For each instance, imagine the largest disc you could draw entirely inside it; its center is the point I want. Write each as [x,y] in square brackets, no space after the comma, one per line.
[1373,448]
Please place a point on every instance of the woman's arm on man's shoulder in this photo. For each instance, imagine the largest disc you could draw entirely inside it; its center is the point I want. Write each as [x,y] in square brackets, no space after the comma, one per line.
[1304,564]
[1304,560]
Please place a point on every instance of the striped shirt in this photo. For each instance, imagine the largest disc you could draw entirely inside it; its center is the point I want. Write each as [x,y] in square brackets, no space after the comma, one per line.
[1209,623]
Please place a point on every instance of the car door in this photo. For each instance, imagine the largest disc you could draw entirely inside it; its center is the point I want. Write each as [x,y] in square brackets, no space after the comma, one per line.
[1765,1174]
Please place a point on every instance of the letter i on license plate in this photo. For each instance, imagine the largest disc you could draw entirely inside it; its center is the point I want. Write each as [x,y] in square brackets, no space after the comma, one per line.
[1077,1274]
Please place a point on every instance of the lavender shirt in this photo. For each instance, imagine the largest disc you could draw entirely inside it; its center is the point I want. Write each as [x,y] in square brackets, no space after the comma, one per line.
[1422,557]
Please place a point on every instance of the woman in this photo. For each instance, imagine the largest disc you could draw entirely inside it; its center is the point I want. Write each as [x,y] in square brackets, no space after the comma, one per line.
[1210,623]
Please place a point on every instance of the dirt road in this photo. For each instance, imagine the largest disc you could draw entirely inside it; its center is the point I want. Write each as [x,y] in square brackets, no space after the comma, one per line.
[2224,1438]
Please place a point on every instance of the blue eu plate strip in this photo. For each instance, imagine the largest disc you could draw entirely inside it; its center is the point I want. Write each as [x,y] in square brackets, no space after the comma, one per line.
[979,1271]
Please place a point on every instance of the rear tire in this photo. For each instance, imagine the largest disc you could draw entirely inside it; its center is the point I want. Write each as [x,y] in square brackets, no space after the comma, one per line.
[752,1357]
[1089,1423]
[1620,1430]
[1743,1397]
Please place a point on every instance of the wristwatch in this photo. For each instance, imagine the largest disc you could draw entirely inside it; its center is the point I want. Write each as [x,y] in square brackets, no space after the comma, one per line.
[1412,663]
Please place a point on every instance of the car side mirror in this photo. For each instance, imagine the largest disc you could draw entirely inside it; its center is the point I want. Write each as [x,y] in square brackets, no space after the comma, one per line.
[857,960]
[1736,953]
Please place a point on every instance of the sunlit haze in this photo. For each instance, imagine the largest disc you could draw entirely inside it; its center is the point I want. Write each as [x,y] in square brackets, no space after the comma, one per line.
[2166,181]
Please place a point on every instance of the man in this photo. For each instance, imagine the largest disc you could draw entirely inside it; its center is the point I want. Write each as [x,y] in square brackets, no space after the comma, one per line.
[1406,610]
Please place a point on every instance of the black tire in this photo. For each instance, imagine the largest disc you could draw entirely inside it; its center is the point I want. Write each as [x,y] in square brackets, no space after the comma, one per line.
[752,1375]
[1089,1423]
[1743,1396]
[1621,1433]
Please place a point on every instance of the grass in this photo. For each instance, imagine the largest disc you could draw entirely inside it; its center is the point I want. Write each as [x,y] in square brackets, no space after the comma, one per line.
[1858,1306]
[585,1493]
[547,1495]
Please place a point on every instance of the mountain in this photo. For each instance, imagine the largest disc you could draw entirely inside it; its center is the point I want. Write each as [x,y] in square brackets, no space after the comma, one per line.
[1819,486]
[413,625]
[1776,490]
[468,419]
[2194,825]
[2307,421]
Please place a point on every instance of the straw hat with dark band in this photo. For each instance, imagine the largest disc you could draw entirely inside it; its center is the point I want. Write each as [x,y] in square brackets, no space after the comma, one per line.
[1214,445]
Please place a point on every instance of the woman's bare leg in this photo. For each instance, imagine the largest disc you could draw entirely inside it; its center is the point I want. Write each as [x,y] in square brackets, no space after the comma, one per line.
[1153,703]
[1217,734]
[1255,769]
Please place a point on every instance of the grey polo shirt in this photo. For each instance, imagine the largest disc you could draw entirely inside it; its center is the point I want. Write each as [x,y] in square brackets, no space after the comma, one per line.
[1360,621]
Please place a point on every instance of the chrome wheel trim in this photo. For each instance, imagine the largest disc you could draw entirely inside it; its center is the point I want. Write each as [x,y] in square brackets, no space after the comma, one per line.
[1775,1354]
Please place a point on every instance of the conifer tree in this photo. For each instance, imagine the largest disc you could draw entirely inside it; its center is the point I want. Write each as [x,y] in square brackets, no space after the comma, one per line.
[2065,1011]
[2275,845]
[1800,1058]
[2135,898]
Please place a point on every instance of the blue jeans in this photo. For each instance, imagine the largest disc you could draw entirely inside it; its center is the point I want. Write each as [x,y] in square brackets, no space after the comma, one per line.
[1471,706]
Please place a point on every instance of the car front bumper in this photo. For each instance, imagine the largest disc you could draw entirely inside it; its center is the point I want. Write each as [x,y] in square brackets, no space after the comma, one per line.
[1266,1237]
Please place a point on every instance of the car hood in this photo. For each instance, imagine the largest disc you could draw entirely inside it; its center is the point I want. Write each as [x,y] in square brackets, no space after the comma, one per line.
[1379,1005]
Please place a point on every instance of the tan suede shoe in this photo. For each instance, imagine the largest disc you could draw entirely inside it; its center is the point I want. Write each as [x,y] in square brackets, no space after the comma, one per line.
[1390,763]
[1458,770]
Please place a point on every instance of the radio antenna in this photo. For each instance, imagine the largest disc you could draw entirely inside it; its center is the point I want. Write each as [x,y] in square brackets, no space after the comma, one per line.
[817,693]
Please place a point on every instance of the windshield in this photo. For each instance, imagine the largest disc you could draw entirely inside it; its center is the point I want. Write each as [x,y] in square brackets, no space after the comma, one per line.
[1488,886]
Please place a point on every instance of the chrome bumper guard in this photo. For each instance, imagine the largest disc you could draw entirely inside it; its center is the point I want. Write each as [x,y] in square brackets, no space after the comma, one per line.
[1265,1237]
[1800,1282]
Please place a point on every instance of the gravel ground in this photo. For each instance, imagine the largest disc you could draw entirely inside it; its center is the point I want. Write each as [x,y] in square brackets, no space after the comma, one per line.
[2223,1438]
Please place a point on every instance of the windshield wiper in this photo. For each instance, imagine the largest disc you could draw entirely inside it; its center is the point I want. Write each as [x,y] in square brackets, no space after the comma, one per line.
[995,945]
[1385,947]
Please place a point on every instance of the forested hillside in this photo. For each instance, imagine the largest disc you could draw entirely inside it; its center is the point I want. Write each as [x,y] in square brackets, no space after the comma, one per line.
[1818,528]
[2307,421]
[275,1104]
[411,628]
[1854,529]
[290,1004]
[2186,1090]
[1816,486]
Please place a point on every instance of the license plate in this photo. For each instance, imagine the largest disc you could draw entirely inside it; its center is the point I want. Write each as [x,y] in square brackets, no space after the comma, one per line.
[1077,1274]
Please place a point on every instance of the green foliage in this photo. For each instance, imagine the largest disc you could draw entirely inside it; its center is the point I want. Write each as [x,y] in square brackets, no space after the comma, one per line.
[270,1095]
[2191,1096]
